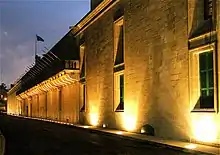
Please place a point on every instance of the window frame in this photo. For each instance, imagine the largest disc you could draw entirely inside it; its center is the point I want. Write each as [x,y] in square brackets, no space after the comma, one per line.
[82,97]
[116,38]
[118,69]
[194,78]
[117,91]
[82,61]
[204,72]
[83,86]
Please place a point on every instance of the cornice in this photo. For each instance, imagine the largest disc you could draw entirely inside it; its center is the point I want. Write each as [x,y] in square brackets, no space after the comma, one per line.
[93,15]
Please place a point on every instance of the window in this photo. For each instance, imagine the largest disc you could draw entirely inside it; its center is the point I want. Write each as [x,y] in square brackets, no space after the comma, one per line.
[118,45]
[82,79]
[82,63]
[202,79]
[83,98]
[119,91]
[60,90]
[206,80]
[208,9]
[121,103]
[119,65]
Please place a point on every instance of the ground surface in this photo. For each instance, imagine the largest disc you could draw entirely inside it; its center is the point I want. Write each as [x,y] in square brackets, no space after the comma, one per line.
[32,137]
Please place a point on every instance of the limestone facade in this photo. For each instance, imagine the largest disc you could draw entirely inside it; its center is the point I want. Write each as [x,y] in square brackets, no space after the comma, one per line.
[161,44]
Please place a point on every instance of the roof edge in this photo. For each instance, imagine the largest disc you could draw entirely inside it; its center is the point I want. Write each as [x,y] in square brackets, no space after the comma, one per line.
[91,15]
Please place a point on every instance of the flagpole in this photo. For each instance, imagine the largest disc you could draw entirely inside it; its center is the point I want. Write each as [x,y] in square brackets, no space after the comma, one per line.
[35,50]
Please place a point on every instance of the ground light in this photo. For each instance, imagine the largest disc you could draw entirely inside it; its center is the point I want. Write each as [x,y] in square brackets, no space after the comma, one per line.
[191,146]
[119,132]
[142,130]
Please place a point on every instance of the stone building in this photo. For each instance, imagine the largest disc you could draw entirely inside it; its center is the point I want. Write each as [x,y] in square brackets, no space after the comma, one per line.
[135,65]
[3,97]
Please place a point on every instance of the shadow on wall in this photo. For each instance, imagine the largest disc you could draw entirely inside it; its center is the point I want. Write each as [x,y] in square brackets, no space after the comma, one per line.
[199,25]
[161,103]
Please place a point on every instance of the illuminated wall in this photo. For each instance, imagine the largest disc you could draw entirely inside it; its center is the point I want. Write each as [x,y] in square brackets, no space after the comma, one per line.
[70,106]
[42,105]
[156,69]
[13,104]
[56,99]
[157,82]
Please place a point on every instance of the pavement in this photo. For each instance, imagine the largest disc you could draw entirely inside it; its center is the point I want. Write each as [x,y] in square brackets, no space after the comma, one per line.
[179,145]
[183,147]
[2,144]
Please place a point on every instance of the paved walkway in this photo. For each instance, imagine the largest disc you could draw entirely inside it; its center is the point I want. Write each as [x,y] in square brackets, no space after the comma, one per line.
[2,144]
[184,146]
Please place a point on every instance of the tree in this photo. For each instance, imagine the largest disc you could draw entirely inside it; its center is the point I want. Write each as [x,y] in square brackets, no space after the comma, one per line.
[3,86]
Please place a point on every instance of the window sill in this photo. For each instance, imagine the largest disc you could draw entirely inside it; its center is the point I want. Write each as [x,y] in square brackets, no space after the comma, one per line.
[204,110]
[119,110]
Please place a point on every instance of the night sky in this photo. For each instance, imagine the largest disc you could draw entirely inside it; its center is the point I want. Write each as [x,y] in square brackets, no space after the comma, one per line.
[21,20]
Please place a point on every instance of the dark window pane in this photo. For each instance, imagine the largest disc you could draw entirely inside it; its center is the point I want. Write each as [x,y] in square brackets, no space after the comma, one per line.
[206,80]
[203,93]
[202,61]
[203,79]
[121,80]
[84,94]
[210,60]
[207,102]
[211,78]
[208,9]
[121,88]
[120,48]
[211,92]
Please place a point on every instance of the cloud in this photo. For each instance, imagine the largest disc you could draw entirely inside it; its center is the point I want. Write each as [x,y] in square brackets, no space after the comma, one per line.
[6,33]
[18,58]
[19,23]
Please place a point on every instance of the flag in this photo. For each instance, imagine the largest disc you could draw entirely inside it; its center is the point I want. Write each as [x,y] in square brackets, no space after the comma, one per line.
[39,38]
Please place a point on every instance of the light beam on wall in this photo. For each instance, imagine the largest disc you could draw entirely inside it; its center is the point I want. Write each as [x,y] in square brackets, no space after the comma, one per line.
[205,128]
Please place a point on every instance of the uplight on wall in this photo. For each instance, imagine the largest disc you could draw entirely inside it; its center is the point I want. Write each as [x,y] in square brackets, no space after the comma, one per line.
[94,119]
[205,128]
[130,115]
[129,122]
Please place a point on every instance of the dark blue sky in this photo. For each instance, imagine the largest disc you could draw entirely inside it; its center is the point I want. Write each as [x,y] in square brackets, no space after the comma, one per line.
[20,20]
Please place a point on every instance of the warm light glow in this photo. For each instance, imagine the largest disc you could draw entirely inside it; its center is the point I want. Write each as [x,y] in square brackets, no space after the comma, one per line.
[205,129]
[119,132]
[94,119]
[130,114]
[5,98]
[129,122]
[191,146]
[86,127]
[142,130]
[104,125]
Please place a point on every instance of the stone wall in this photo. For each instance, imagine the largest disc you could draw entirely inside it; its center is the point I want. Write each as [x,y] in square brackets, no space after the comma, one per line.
[156,67]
